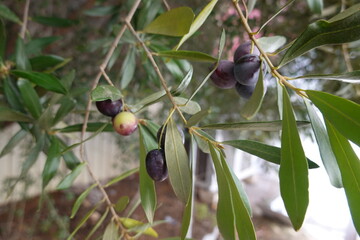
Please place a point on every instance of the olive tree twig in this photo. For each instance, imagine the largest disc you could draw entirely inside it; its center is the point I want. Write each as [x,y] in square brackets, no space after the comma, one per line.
[25,19]
[87,113]
[156,68]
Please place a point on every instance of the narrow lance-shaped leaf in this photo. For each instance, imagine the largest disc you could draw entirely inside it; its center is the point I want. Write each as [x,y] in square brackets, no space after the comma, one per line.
[198,22]
[316,6]
[104,92]
[187,55]
[128,68]
[342,113]
[6,13]
[55,21]
[337,30]
[175,22]
[271,44]
[12,94]
[197,117]
[224,212]
[80,200]
[177,162]
[13,142]
[243,224]
[152,98]
[52,162]
[70,178]
[147,185]
[30,98]
[293,172]
[349,165]
[2,39]
[253,126]
[111,232]
[91,127]
[322,139]
[66,106]
[44,80]
[185,82]
[22,61]
[189,107]
[350,77]
[253,105]
[267,152]
[10,115]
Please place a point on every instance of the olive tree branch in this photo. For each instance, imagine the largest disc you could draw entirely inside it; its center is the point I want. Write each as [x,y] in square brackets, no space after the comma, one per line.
[156,68]
[87,114]
[274,70]
[25,19]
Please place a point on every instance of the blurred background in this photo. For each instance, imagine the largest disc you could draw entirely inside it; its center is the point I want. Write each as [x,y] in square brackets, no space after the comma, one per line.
[92,27]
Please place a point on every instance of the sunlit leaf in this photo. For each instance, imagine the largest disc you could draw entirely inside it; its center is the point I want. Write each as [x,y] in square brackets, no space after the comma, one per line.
[177,162]
[350,77]
[272,43]
[198,22]
[54,21]
[70,178]
[130,223]
[342,113]
[337,30]
[197,117]
[80,200]
[267,152]
[52,162]
[30,98]
[175,22]
[187,55]
[147,185]
[111,231]
[293,172]
[121,177]
[104,92]
[253,126]
[327,155]
[316,6]
[82,222]
[349,165]
[253,105]
[13,141]
[224,212]
[9,115]
[189,107]
[6,13]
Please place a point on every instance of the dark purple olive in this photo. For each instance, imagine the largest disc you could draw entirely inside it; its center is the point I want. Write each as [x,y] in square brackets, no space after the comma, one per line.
[223,77]
[244,91]
[162,140]
[246,70]
[156,165]
[245,49]
[109,108]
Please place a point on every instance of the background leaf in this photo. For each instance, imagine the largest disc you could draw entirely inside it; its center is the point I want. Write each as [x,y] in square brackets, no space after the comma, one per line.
[293,172]
[128,68]
[30,98]
[198,22]
[52,162]
[177,162]
[111,232]
[185,82]
[91,127]
[349,165]
[14,140]
[342,113]
[104,92]
[316,6]
[323,32]
[2,39]
[66,106]
[70,178]
[322,139]
[175,22]
[55,21]
[21,58]
[9,115]
[6,13]
[261,150]
[44,80]
[80,200]
[187,55]
[152,98]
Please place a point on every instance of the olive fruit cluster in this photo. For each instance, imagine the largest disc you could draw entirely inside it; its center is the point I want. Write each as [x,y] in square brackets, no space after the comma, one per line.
[155,159]
[124,123]
[242,73]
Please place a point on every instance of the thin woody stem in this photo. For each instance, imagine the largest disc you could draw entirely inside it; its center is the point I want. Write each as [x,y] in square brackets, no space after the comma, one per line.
[251,34]
[157,70]
[25,19]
